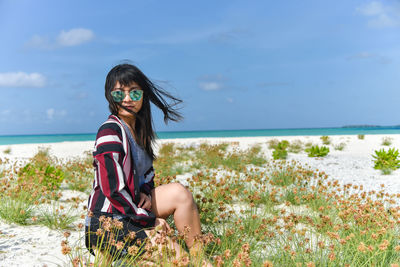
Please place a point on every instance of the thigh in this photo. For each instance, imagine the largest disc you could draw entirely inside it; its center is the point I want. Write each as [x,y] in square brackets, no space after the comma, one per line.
[164,199]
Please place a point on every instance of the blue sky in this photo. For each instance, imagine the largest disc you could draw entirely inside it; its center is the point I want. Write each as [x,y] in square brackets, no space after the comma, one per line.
[236,64]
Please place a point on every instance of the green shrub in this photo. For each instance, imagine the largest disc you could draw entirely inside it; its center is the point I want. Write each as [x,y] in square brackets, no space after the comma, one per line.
[41,171]
[325,140]
[386,161]
[361,136]
[387,141]
[7,151]
[340,146]
[296,146]
[48,175]
[54,218]
[316,151]
[308,145]
[283,144]
[280,151]
[78,173]
[273,143]
[17,210]
[279,154]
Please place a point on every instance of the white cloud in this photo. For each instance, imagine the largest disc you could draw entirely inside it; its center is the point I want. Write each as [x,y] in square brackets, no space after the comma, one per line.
[50,113]
[75,37]
[361,55]
[22,79]
[5,112]
[371,9]
[72,37]
[229,35]
[215,34]
[212,82]
[210,86]
[381,16]
[63,113]
[82,95]
[39,42]
[370,56]
[274,84]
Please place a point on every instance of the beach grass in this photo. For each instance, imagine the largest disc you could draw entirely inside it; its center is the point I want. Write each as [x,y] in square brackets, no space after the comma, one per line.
[387,141]
[254,211]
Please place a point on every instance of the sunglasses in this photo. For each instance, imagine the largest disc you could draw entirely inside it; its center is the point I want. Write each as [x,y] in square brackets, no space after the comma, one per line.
[135,95]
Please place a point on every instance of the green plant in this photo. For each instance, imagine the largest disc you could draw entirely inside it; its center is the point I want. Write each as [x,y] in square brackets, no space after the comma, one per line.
[316,151]
[387,141]
[46,175]
[42,170]
[57,218]
[308,145]
[340,146]
[279,154]
[296,146]
[325,140]
[273,143]
[386,161]
[7,151]
[78,173]
[280,151]
[361,136]
[17,210]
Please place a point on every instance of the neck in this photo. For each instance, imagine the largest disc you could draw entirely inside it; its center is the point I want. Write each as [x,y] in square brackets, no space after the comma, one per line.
[130,121]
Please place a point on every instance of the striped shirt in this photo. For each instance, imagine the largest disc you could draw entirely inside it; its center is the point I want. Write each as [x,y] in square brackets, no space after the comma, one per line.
[116,187]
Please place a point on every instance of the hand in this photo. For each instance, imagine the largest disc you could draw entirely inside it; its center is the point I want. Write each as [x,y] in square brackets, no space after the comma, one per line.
[145,202]
[161,225]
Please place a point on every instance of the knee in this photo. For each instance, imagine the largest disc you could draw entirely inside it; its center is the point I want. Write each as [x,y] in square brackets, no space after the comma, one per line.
[182,194]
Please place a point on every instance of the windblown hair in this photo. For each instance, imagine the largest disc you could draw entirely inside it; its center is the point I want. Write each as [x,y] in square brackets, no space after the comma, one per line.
[125,74]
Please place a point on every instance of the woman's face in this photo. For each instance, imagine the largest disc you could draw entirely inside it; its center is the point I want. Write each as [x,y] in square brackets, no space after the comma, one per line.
[127,102]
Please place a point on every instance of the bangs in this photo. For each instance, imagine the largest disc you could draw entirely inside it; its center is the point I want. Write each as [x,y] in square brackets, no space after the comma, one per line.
[126,78]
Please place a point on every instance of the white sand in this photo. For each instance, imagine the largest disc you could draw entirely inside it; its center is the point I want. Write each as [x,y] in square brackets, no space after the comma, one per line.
[38,246]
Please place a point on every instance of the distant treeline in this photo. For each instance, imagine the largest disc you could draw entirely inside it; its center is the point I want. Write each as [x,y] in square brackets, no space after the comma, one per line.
[371,126]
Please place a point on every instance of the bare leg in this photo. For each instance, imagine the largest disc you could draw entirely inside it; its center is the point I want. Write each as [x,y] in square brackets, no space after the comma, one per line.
[175,199]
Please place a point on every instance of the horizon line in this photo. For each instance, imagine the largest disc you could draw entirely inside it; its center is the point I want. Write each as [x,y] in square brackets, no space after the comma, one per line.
[214,130]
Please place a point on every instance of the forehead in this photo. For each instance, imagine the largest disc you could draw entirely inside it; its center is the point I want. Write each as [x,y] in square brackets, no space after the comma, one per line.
[131,85]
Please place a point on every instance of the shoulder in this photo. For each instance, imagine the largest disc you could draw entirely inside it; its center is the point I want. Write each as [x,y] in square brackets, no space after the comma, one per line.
[111,136]
[111,128]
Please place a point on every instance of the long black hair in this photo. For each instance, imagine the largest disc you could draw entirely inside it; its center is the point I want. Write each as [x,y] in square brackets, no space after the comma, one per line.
[125,74]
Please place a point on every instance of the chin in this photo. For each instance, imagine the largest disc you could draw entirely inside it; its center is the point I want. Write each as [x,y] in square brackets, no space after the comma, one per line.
[126,114]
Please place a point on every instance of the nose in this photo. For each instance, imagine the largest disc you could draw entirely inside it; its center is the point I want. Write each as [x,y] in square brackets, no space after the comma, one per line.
[127,97]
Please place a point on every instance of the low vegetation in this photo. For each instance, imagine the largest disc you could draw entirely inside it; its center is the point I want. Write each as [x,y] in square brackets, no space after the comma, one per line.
[254,212]
[386,160]
[361,136]
[340,146]
[296,146]
[387,141]
[317,151]
[280,150]
[326,140]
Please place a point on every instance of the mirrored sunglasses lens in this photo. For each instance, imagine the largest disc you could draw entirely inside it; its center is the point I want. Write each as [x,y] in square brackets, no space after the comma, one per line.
[136,95]
[118,96]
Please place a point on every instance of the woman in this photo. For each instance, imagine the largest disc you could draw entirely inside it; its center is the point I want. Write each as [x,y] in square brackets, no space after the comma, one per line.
[123,187]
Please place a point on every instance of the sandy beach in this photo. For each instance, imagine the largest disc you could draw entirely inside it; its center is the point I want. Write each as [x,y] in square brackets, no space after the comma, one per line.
[40,246]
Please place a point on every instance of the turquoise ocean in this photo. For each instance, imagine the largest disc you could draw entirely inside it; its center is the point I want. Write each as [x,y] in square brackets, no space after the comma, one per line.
[53,138]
